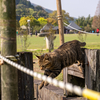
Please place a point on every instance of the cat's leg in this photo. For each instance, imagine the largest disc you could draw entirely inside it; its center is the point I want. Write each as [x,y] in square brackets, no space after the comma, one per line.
[78,63]
[80,66]
[81,60]
[43,83]
[53,74]
[47,73]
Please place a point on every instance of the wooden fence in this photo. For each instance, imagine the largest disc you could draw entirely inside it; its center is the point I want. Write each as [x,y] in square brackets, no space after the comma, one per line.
[90,75]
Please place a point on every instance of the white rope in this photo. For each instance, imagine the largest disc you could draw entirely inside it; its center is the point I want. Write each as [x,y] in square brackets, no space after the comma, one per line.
[73,89]
[78,30]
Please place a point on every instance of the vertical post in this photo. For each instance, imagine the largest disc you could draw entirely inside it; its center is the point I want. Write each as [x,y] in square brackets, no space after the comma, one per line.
[60,21]
[9,82]
[92,69]
[25,82]
[65,79]
[49,42]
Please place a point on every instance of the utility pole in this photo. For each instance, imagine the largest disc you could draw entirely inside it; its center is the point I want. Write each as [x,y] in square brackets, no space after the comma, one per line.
[9,81]
[60,21]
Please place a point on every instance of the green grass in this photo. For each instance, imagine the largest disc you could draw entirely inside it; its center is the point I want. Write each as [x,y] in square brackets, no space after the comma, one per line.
[39,43]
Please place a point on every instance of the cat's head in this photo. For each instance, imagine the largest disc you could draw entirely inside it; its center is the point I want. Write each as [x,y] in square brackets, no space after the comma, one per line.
[44,61]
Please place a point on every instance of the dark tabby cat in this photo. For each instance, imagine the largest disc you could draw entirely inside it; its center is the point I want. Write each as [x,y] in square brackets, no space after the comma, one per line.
[53,62]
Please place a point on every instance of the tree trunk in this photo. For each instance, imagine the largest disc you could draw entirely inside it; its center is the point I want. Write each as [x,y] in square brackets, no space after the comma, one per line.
[9,80]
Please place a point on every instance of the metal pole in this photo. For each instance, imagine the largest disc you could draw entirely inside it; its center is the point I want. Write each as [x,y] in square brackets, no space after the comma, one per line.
[9,79]
[60,21]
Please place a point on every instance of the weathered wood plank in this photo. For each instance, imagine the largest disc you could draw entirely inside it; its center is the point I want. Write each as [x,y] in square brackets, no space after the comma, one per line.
[90,68]
[98,71]
[25,82]
[75,73]
[76,68]
[65,78]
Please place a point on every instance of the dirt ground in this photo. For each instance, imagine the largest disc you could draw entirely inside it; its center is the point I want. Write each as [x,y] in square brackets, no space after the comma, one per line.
[36,66]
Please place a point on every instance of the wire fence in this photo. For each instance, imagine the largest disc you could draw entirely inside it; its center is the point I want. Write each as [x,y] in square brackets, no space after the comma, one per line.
[90,94]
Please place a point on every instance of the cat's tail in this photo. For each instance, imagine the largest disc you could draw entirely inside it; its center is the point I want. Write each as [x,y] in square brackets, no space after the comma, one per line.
[82,43]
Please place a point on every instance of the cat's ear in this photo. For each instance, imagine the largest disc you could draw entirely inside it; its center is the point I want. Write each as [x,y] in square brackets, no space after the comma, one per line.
[38,56]
[46,57]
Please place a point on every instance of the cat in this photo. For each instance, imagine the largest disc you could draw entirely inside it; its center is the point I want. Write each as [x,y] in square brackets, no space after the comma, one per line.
[53,62]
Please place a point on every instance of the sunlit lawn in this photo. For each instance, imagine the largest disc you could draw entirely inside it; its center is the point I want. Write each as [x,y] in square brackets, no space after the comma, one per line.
[39,43]
[92,41]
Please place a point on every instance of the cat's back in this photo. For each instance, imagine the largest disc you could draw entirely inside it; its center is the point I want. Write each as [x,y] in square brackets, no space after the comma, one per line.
[72,44]
[67,45]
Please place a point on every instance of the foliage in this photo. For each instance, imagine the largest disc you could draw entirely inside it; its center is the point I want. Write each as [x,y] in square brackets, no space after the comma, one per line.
[33,21]
[36,28]
[85,23]
[52,21]
[39,8]
[23,34]
[88,28]
[66,17]
[82,37]
[24,2]
[96,22]
[24,8]
[42,21]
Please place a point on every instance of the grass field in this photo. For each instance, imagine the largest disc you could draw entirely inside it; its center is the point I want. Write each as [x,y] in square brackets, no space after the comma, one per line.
[39,43]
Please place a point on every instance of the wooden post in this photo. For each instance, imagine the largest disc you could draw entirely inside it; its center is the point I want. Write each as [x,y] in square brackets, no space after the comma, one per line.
[9,80]
[65,79]
[25,82]
[92,69]
[60,21]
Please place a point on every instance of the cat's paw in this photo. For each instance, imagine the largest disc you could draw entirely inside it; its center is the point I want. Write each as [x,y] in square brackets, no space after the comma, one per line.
[41,85]
[46,83]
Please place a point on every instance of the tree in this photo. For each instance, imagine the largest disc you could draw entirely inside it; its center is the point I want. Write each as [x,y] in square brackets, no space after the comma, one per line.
[88,28]
[39,8]
[84,22]
[96,22]
[33,21]
[52,21]
[42,21]
[25,8]
[96,18]
[66,17]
